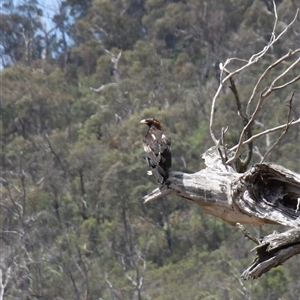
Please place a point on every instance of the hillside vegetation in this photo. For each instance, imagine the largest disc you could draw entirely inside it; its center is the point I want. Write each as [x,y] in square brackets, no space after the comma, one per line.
[73,172]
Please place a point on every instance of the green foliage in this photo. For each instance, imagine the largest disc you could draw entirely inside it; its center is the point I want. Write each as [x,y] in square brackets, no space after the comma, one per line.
[73,221]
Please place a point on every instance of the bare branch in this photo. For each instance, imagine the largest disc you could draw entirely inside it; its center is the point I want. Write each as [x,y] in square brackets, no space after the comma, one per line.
[27,46]
[247,234]
[103,86]
[54,152]
[4,281]
[242,164]
[254,59]
[284,132]
[265,194]
[264,94]
[257,85]
[286,84]
[266,132]
[157,193]
[284,73]
[272,251]
[115,61]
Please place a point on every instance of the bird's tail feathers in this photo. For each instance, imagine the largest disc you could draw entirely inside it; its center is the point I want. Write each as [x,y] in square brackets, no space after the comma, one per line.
[160,174]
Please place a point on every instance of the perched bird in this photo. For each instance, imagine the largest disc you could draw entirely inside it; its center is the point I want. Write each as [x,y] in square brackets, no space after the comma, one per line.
[157,147]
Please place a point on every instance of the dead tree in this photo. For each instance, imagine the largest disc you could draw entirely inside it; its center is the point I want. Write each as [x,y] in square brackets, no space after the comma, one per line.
[228,188]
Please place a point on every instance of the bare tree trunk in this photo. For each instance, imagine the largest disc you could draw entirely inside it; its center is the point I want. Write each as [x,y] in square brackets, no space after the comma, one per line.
[265,194]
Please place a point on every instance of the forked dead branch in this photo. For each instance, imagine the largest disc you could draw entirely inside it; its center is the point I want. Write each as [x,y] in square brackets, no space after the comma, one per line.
[230,189]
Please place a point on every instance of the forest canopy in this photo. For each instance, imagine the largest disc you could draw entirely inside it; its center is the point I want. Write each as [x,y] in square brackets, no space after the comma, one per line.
[73,172]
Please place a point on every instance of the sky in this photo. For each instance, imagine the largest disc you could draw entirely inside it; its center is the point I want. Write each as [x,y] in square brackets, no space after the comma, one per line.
[49,7]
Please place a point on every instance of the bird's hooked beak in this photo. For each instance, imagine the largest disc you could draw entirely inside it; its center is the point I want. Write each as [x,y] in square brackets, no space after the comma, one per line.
[144,121]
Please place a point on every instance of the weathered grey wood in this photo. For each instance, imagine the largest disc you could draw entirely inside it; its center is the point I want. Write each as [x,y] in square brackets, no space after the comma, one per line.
[269,191]
[272,251]
[265,194]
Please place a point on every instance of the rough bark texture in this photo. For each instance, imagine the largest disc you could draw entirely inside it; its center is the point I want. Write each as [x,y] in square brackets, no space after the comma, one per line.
[265,194]
[272,251]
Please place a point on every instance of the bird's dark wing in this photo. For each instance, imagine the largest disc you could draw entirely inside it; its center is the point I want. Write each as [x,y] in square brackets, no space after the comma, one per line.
[165,150]
[151,148]
[157,147]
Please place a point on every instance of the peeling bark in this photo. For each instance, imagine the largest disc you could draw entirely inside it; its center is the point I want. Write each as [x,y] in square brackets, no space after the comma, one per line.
[265,194]
[272,251]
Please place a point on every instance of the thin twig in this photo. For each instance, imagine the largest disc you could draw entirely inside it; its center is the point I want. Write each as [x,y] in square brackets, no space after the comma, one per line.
[243,163]
[102,87]
[271,88]
[265,132]
[264,94]
[284,132]
[257,85]
[286,84]
[276,143]
[224,157]
[254,59]
[248,234]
